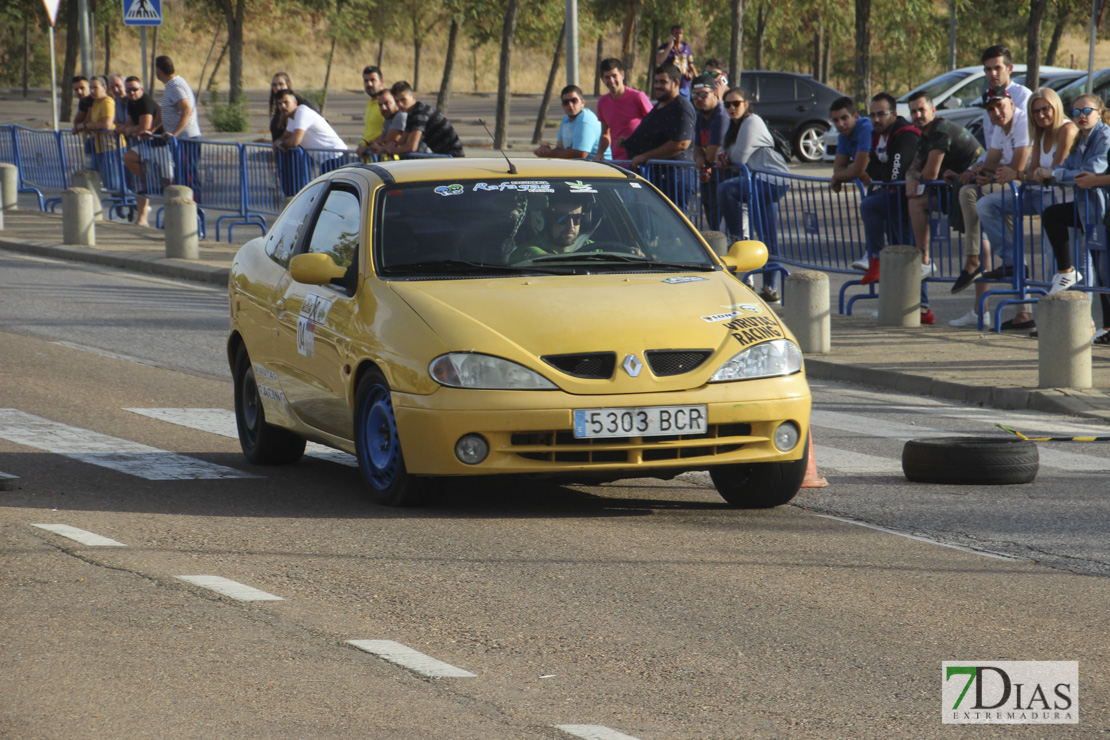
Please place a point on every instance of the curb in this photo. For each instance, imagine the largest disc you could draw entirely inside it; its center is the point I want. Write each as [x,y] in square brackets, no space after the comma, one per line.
[164,266]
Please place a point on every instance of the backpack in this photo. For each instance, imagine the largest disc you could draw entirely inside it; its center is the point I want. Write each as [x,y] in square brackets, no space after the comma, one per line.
[782,144]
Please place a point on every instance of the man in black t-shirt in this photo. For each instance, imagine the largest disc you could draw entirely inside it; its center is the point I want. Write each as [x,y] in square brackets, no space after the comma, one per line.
[424,124]
[666,132]
[142,112]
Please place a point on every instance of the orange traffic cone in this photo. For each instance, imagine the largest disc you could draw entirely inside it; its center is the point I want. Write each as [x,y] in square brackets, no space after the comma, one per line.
[812,480]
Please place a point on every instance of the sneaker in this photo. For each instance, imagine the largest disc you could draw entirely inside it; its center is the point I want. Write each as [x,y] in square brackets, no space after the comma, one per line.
[966,278]
[769,296]
[927,317]
[872,274]
[1064,280]
[1011,325]
[971,319]
[860,264]
[927,271]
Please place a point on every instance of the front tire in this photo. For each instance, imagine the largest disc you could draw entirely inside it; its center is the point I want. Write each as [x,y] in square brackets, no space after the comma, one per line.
[378,445]
[262,443]
[809,145]
[760,485]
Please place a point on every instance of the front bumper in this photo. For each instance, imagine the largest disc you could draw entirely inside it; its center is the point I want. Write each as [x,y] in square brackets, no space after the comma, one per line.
[531,431]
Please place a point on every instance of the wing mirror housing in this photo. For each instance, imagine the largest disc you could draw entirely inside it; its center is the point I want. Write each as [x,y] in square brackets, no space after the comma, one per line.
[744,256]
[315,269]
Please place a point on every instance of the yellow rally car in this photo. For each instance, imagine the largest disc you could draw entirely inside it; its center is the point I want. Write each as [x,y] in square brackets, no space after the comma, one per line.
[470,317]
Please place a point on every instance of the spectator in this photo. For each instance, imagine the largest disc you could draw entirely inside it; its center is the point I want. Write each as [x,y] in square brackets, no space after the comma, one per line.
[102,114]
[278,84]
[748,142]
[178,114]
[1051,136]
[375,120]
[1084,167]
[394,122]
[1007,153]
[710,127]
[119,95]
[665,133]
[998,66]
[677,52]
[883,211]
[715,68]
[944,146]
[579,131]
[141,114]
[621,111]
[424,124]
[307,129]
[853,152]
[84,102]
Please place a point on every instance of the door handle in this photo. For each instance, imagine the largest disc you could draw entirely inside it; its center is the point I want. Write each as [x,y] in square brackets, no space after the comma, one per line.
[801,108]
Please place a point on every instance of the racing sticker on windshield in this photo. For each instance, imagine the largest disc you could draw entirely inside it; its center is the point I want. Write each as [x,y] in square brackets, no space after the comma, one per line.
[684,279]
[635,185]
[739,309]
[454,189]
[524,186]
[754,329]
[580,187]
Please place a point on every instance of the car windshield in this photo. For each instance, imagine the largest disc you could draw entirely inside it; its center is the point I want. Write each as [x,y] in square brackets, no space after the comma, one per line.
[938,86]
[505,227]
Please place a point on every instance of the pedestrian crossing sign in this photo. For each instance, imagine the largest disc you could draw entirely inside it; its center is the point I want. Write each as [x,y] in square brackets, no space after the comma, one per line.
[142,12]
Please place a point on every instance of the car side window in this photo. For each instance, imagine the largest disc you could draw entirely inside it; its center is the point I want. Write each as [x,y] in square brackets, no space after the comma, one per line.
[287,230]
[337,228]
[805,90]
[780,91]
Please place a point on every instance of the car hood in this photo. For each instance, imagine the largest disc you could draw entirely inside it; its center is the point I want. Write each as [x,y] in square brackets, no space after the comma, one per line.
[525,319]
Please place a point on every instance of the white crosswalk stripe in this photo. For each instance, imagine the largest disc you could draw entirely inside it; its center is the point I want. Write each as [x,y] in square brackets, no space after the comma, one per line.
[80,535]
[230,588]
[414,660]
[593,732]
[106,451]
[222,422]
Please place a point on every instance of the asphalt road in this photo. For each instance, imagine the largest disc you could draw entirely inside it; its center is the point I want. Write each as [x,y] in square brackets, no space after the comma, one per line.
[644,608]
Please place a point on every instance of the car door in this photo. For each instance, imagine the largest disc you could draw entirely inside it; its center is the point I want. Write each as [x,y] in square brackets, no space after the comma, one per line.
[778,102]
[316,319]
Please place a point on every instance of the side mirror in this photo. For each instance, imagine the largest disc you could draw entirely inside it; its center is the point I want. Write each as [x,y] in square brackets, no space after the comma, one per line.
[744,256]
[315,269]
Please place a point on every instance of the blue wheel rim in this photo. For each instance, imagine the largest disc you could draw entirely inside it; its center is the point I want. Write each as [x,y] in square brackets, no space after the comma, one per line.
[380,446]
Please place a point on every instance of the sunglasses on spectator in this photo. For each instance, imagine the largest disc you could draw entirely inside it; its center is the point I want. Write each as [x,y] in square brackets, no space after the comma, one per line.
[700,95]
[733,103]
[710,73]
[133,89]
[575,218]
[1085,111]
[568,101]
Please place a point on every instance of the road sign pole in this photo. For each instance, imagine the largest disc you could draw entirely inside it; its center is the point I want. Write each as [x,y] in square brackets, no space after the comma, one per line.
[53,80]
[145,66]
[83,34]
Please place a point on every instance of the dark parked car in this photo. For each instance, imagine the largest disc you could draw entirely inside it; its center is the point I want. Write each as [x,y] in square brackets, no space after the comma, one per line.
[795,105]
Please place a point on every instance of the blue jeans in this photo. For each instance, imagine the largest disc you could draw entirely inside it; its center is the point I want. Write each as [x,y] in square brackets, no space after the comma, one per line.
[885,215]
[996,215]
[731,197]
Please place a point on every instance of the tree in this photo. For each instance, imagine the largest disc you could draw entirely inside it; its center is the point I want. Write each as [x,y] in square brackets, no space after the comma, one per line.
[501,130]
[863,51]
[235,12]
[1033,43]
[736,44]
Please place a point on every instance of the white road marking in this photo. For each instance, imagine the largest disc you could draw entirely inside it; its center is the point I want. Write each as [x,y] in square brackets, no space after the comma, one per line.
[593,732]
[854,462]
[80,535]
[869,426]
[114,453]
[103,353]
[414,660]
[222,422]
[233,589]
[919,538]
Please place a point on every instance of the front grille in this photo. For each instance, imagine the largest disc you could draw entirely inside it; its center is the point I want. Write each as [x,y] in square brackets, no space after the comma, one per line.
[675,361]
[563,447]
[596,365]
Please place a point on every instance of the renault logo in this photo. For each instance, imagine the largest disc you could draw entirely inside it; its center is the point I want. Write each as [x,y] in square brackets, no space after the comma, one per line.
[632,365]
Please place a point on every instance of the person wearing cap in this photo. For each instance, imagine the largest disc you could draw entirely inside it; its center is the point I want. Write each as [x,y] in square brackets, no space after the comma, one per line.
[710,127]
[715,68]
[1007,153]
[579,131]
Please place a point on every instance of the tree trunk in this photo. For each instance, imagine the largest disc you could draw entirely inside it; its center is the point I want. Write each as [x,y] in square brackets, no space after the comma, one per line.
[1033,52]
[863,51]
[107,49]
[381,51]
[761,19]
[69,66]
[234,11]
[448,67]
[474,65]
[153,56]
[212,48]
[817,47]
[327,76]
[825,57]
[648,86]
[501,130]
[417,45]
[27,55]
[736,43]
[537,135]
[597,69]
[630,33]
[216,66]
[1057,34]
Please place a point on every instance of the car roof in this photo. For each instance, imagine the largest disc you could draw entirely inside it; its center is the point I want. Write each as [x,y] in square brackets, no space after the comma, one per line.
[442,169]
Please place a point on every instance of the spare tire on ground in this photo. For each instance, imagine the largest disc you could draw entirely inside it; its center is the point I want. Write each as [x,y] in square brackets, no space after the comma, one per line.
[970,460]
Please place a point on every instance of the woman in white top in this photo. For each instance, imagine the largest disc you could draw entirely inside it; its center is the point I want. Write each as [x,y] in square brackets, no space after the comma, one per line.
[748,142]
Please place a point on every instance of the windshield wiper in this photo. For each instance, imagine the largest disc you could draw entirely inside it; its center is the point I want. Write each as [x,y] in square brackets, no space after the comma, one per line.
[617,257]
[459,266]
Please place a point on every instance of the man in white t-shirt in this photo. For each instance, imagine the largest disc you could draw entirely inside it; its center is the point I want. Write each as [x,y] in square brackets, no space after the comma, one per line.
[998,66]
[307,129]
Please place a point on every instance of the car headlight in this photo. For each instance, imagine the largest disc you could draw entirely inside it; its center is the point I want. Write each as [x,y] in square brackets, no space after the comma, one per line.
[473,370]
[766,360]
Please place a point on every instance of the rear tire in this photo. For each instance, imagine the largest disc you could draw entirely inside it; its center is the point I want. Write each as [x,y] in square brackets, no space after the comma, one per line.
[760,485]
[809,144]
[262,443]
[378,445]
[970,461]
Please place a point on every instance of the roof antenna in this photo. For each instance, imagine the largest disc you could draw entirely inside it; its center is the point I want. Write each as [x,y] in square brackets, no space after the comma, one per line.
[512,169]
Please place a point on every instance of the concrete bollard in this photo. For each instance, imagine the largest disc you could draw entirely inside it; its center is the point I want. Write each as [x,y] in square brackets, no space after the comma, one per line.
[90,180]
[1064,340]
[78,226]
[718,242]
[9,186]
[806,310]
[182,240]
[900,286]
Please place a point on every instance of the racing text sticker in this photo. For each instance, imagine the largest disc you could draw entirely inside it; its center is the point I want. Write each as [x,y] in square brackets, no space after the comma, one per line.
[264,372]
[739,309]
[753,329]
[526,186]
[272,394]
[580,187]
[454,189]
[684,279]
